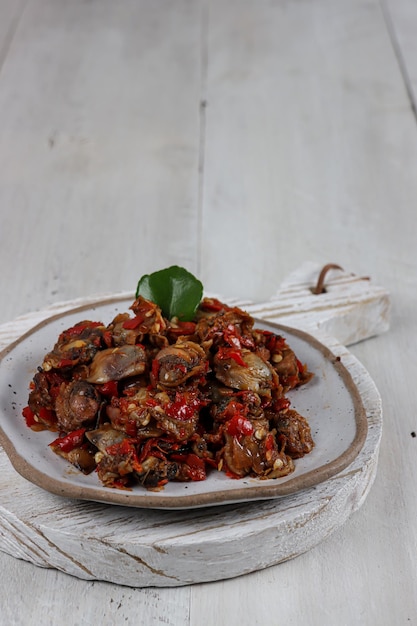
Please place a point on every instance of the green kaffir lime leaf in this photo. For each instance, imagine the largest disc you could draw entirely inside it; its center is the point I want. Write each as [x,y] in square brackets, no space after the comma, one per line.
[175,290]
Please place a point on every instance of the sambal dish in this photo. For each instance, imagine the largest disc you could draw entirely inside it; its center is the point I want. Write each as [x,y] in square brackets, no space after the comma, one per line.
[146,400]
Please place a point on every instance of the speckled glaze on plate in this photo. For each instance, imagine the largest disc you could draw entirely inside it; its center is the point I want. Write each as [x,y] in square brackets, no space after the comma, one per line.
[330,402]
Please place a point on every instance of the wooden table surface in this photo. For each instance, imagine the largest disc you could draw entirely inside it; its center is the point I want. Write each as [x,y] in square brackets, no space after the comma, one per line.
[238,139]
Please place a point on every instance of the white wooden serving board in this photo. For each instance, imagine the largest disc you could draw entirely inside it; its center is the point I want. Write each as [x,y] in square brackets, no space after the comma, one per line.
[144,548]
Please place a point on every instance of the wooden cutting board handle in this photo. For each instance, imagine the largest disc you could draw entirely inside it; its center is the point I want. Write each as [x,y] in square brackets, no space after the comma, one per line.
[347,307]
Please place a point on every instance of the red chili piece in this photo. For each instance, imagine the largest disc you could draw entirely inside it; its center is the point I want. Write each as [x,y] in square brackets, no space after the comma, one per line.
[212,304]
[183,328]
[73,440]
[65,363]
[131,428]
[108,338]
[239,425]
[233,408]
[151,402]
[281,404]
[47,415]
[300,366]
[274,343]
[76,330]
[196,466]
[29,416]
[234,338]
[231,353]
[155,369]
[269,442]
[182,408]
[134,322]
[109,388]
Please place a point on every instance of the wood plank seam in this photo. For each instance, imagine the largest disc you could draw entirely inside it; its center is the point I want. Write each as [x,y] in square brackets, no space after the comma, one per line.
[202,129]
[10,35]
[402,65]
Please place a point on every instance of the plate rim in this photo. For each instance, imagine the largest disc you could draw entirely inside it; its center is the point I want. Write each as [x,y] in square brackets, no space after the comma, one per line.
[159,500]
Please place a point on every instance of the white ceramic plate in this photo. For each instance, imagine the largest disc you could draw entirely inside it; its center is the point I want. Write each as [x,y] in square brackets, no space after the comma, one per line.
[330,402]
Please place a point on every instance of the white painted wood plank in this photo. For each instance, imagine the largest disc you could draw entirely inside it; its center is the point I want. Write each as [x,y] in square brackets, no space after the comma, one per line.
[66,600]
[308,110]
[99,148]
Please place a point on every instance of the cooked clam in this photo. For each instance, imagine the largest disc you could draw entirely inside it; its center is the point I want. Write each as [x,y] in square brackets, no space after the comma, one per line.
[254,375]
[77,404]
[117,363]
[177,363]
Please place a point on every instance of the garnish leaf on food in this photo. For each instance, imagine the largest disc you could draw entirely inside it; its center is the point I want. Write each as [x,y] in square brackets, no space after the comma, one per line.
[175,290]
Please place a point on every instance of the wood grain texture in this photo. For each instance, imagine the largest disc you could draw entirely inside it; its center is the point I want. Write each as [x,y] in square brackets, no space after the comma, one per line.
[313,130]
[119,152]
[296,140]
[401,20]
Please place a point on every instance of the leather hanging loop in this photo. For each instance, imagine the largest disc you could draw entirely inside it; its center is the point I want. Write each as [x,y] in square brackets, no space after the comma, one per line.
[320,288]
